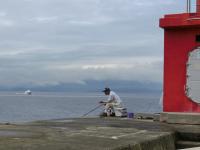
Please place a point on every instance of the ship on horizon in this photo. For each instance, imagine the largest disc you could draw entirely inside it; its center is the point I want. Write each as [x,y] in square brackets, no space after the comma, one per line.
[28,92]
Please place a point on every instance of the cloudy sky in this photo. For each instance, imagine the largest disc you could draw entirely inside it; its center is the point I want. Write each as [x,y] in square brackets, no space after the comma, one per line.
[71,41]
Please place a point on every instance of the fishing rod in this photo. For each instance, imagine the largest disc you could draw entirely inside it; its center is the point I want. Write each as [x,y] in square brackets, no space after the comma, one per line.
[92,110]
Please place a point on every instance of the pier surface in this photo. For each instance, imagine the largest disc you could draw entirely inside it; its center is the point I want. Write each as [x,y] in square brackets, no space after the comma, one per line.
[89,134]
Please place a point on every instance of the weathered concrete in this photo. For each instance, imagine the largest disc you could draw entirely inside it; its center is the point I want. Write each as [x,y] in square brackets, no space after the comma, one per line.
[187,136]
[87,134]
[187,144]
[196,148]
[180,118]
[98,134]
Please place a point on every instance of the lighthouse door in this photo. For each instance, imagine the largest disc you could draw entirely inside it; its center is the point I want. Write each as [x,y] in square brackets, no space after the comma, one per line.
[193,76]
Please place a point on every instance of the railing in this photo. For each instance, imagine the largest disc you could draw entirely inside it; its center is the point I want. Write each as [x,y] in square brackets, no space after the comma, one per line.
[188,6]
[193,6]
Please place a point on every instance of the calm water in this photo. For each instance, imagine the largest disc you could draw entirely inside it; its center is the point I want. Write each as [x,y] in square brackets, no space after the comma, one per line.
[39,106]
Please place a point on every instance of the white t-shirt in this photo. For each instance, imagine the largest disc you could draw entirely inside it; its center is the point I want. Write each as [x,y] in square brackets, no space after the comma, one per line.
[114,97]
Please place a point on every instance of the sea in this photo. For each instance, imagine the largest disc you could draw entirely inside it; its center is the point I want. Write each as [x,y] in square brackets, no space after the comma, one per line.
[18,107]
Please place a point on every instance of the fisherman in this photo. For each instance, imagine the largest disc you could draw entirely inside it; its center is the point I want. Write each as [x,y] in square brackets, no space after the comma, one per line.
[112,102]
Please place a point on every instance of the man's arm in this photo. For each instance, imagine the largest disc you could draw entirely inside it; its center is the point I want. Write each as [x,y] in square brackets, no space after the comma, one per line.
[111,101]
[102,102]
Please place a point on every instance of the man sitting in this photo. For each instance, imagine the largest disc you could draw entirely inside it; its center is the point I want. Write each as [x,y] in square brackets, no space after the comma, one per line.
[113,105]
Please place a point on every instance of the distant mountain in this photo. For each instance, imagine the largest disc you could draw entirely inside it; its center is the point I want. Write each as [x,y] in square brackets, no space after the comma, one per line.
[94,86]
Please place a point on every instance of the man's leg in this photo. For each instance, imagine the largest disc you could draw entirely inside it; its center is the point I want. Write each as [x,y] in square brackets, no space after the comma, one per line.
[109,109]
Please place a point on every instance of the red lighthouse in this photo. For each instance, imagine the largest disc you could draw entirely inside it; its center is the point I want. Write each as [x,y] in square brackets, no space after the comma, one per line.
[181,90]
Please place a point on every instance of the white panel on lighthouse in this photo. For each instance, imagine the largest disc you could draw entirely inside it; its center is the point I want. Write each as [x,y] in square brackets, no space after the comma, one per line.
[193,76]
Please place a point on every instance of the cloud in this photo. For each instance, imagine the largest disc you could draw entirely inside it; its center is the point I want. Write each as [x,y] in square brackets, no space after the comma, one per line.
[100,20]
[53,41]
[6,23]
[2,14]
[44,19]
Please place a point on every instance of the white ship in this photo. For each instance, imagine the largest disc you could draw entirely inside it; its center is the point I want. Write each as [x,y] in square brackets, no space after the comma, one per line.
[28,92]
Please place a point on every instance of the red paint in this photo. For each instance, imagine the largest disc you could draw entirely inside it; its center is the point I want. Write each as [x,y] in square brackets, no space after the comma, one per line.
[198,6]
[180,32]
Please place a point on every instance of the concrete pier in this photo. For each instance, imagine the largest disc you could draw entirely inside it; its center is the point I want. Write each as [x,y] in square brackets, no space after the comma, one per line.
[87,134]
[180,118]
[92,134]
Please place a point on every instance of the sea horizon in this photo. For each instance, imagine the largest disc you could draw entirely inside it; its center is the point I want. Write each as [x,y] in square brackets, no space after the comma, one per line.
[16,106]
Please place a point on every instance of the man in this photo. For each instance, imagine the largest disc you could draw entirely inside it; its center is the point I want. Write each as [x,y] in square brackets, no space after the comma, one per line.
[112,102]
